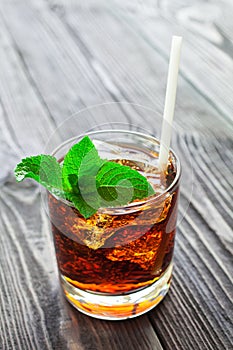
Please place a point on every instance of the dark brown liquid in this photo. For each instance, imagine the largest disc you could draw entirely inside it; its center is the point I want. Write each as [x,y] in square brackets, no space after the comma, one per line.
[114,253]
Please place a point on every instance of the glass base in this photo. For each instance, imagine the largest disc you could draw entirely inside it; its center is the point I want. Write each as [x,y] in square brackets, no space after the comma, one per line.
[118,307]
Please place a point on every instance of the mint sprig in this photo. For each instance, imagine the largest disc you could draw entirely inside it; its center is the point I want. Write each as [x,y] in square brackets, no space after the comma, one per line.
[45,169]
[81,160]
[85,179]
[83,195]
[118,183]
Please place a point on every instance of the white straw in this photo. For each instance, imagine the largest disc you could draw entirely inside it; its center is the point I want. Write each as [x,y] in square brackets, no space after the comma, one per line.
[169,102]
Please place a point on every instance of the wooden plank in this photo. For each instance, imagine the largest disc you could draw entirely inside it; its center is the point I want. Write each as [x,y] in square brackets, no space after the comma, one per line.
[61,70]
[24,120]
[100,36]
[103,36]
[211,72]
[58,57]
[70,78]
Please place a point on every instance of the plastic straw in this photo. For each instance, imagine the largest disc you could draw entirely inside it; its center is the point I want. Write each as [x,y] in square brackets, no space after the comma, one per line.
[169,102]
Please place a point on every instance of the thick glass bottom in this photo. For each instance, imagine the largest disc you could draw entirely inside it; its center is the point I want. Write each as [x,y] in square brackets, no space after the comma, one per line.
[118,307]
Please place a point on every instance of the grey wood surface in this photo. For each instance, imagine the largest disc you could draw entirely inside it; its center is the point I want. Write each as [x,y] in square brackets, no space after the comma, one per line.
[60,56]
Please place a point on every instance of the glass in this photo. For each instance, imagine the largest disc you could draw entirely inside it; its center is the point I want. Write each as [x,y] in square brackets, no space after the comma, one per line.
[118,263]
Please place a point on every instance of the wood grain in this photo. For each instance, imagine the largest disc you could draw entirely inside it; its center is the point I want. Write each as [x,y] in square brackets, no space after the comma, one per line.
[56,58]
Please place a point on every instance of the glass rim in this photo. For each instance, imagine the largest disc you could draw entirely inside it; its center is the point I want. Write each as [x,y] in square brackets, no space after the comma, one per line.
[133,205]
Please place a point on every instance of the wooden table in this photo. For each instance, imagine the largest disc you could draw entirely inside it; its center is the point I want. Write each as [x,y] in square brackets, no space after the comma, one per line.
[56,58]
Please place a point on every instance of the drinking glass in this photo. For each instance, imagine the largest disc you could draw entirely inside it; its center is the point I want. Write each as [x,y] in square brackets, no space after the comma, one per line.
[117,264]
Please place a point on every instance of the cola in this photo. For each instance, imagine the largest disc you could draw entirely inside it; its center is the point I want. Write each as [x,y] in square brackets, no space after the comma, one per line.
[117,250]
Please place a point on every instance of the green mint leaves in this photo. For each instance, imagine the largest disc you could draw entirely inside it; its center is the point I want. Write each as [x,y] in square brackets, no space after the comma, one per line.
[80,167]
[81,160]
[120,184]
[44,169]
[85,179]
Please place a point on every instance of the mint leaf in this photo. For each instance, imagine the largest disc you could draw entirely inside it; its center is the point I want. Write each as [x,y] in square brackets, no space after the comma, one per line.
[44,169]
[118,185]
[80,166]
[84,195]
[81,160]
